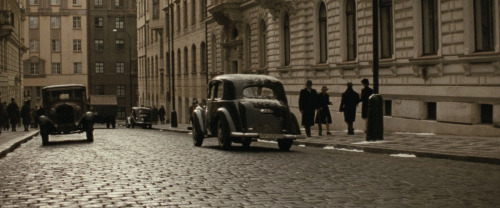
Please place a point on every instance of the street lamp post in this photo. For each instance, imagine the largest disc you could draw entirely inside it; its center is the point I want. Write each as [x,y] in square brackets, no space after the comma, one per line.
[129,64]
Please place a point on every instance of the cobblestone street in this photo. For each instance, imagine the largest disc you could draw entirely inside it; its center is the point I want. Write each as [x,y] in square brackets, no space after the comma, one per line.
[151,168]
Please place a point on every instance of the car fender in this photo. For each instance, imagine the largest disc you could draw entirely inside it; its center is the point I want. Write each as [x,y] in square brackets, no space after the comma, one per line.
[89,116]
[224,112]
[200,114]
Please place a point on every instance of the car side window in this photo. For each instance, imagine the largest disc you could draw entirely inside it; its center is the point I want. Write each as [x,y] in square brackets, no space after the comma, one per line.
[220,91]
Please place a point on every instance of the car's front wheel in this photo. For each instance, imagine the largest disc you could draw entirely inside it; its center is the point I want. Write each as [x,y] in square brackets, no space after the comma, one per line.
[45,135]
[285,144]
[197,133]
[224,134]
[90,132]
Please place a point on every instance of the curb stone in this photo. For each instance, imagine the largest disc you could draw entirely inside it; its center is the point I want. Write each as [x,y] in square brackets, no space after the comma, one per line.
[11,146]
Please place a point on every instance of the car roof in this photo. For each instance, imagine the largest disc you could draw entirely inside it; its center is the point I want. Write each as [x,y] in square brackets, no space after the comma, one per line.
[64,86]
[246,78]
[140,108]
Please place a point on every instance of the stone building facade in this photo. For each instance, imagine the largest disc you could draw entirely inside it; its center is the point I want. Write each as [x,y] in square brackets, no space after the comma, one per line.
[439,59]
[56,34]
[172,49]
[12,47]
[113,52]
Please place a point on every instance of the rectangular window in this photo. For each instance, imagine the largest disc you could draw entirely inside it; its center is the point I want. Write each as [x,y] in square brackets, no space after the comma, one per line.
[431,111]
[55,22]
[193,13]
[55,2]
[99,68]
[483,29]
[34,22]
[120,44]
[386,50]
[55,45]
[178,17]
[387,107]
[185,11]
[119,3]
[77,45]
[55,68]
[119,22]
[120,90]
[97,2]
[99,45]
[98,22]
[429,27]
[33,2]
[77,67]
[120,68]
[99,89]
[486,114]
[76,3]
[156,9]
[34,45]
[120,113]
[77,22]
[34,68]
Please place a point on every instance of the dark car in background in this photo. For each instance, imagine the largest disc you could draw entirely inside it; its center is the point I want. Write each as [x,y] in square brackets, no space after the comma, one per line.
[104,108]
[65,112]
[139,116]
[241,108]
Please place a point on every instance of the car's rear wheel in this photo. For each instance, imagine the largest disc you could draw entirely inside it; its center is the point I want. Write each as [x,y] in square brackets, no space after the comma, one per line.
[197,133]
[45,135]
[223,134]
[90,132]
[285,144]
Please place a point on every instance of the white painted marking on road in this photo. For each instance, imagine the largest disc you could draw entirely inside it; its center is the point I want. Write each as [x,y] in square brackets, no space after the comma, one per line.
[403,155]
[349,150]
[420,134]
[371,142]
[329,147]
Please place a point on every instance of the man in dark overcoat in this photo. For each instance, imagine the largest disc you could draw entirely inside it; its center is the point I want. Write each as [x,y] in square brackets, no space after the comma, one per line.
[307,106]
[161,114]
[348,104]
[26,114]
[3,116]
[13,112]
[366,92]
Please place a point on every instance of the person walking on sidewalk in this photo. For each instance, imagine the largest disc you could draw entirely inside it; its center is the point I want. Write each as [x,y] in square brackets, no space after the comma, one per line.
[323,116]
[13,112]
[348,104]
[366,92]
[26,114]
[3,116]
[161,114]
[307,106]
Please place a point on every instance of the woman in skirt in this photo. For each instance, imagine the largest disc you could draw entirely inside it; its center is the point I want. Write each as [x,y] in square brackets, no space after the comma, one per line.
[323,116]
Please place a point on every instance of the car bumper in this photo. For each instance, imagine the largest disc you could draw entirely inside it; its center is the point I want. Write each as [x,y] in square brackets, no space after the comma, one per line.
[266,136]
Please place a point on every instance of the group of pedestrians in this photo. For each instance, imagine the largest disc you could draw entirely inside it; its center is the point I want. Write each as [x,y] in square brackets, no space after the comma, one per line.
[11,115]
[158,114]
[311,103]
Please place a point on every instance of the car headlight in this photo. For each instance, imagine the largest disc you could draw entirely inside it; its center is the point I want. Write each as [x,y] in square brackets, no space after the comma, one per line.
[52,111]
[78,109]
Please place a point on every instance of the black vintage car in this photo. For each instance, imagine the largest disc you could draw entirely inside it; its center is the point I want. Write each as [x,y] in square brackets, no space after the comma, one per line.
[65,112]
[139,116]
[241,108]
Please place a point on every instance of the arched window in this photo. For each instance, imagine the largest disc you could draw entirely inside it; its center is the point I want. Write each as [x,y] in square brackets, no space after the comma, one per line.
[203,56]
[323,41]
[186,70]
[386,34]
[248,47]
[484,30]
[178,61]
[351,30]
[193,59]
[214,53]
[430,27]
[286,39]
[262,44]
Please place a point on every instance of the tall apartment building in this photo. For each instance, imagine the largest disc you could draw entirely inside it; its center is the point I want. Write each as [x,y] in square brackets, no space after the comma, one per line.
[112,51]
[439,59]
[171,39]
[58,45]
[12,47]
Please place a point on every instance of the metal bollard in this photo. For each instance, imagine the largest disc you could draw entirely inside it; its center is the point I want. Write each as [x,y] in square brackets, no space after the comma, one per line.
[375,122]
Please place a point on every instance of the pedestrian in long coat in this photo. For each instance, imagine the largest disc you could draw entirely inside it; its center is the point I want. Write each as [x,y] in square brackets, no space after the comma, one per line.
[162,113]
[348,104]
[323,116]
[13,112]
[154,114]
[26,115]
[366,92]
[307,106]
[6,118]
[3,116]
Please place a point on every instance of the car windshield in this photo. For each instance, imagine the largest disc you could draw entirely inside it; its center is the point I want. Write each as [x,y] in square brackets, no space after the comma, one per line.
[65,95]
[258,92]
[142,112]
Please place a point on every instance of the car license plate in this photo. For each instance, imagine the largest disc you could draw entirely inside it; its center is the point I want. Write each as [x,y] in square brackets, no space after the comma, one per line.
[271,136]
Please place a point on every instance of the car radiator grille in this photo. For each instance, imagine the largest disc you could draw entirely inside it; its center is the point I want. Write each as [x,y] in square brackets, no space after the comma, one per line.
[65,114]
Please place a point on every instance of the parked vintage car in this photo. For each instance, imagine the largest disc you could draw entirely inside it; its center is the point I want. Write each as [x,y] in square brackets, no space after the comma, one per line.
[104,108]
[241,108]
[65,112]
[139,116]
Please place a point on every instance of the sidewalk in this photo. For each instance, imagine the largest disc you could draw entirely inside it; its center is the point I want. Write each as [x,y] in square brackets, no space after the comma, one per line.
[9,140]
[462,148]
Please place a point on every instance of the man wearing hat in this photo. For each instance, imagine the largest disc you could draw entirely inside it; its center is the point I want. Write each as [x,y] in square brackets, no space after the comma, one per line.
[348,104]
[366,92]
[323,116]
[13,112]
[26,114]
[307,106]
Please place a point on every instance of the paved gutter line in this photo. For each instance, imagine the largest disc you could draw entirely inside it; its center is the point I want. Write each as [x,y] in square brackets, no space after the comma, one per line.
[14,145]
